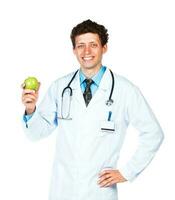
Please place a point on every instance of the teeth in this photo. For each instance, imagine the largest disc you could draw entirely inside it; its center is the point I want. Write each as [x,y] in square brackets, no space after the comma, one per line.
[87,58]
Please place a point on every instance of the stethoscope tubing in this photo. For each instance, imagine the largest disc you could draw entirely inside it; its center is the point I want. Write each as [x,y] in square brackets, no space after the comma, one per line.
[109,102]
[68,86]
[112,87]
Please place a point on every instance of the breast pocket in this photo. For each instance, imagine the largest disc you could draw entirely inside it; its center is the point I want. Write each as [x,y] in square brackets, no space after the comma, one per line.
[107,128]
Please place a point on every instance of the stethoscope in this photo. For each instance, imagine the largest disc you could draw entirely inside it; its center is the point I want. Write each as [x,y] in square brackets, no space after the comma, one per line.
[109,102]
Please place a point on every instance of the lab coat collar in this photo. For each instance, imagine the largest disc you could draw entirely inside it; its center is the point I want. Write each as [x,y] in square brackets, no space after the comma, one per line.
[101,93]
[104,83]
[96,78]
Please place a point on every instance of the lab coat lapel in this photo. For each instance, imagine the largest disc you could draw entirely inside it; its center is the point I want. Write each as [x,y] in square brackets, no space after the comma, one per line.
[101,94]
[77,93]
[103,91]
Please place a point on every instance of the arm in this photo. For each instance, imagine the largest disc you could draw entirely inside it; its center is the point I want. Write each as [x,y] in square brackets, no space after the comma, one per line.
[151,135]
[139,114]
[43,120]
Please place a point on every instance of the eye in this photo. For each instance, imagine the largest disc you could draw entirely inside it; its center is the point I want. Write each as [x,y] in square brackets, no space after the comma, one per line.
[94,45]
[80,46]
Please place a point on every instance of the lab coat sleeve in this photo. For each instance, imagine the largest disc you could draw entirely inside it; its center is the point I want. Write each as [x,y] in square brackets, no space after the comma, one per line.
[44,119]
[151,135]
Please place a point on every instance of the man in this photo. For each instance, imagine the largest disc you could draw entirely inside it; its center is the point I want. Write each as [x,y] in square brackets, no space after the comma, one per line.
[91,110]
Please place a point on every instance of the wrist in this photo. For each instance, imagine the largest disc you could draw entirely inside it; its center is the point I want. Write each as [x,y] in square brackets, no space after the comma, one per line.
[29,111]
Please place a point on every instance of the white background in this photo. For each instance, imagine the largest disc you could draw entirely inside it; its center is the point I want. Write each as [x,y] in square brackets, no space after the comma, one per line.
[34,40]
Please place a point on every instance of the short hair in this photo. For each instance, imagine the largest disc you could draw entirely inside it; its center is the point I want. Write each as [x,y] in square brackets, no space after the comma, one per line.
[89,26]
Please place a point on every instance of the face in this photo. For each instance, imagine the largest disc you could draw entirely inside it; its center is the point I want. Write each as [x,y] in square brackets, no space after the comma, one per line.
[89,51]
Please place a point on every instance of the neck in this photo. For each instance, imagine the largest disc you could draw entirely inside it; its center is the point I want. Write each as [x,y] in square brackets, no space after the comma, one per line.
[89,73]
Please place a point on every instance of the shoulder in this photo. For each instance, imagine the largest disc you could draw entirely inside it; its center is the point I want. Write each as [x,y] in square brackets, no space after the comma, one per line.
[123,82]
[65,78]
[124,87]
[60,83]
[128,89]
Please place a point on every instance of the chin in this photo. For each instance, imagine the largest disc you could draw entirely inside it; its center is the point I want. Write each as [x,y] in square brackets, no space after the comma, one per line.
[89,66]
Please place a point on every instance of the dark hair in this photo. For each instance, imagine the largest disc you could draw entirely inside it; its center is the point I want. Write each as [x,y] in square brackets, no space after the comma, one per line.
[89,26]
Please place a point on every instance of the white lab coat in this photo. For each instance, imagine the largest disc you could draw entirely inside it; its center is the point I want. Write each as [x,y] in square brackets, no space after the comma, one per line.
[83,149]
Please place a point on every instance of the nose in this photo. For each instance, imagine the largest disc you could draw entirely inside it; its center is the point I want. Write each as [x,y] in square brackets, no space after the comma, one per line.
[87,49]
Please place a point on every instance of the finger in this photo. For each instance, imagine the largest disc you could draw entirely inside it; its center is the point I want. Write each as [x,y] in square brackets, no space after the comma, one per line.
[112,182]
[27,91]
[32,96]
[23,85]
[27,102]
[104,172]
[104,177]
[29,98]
[106,182]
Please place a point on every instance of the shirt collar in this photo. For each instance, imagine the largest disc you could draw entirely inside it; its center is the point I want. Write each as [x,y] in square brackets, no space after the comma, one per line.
[96,78]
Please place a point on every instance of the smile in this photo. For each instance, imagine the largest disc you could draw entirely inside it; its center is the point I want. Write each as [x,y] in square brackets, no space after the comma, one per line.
[87,58]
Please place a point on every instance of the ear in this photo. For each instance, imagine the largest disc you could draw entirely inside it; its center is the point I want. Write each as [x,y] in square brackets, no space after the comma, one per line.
[73,49]
[105,48]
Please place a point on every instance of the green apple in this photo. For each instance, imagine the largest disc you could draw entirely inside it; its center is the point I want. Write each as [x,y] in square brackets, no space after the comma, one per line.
[31,83]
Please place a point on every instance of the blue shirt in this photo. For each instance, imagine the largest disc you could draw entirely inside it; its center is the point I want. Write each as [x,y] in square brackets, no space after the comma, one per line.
[27,117]
[96,78]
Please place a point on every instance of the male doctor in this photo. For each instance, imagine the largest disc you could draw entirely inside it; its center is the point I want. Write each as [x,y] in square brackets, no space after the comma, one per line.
[91,110]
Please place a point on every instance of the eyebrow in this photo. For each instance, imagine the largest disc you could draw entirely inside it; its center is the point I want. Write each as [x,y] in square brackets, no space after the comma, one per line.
[84,42]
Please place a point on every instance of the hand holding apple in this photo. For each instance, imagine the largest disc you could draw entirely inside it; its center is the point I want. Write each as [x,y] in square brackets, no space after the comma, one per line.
[30,94]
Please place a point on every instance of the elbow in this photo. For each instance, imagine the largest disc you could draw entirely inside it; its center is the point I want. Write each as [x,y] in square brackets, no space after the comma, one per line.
[159,139]
[162,137]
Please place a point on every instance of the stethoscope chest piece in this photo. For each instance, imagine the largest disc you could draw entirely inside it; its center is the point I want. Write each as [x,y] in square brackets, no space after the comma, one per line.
[109,102]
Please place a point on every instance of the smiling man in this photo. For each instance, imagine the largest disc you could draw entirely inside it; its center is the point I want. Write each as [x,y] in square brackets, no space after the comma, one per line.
[91,109]
[89,51]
